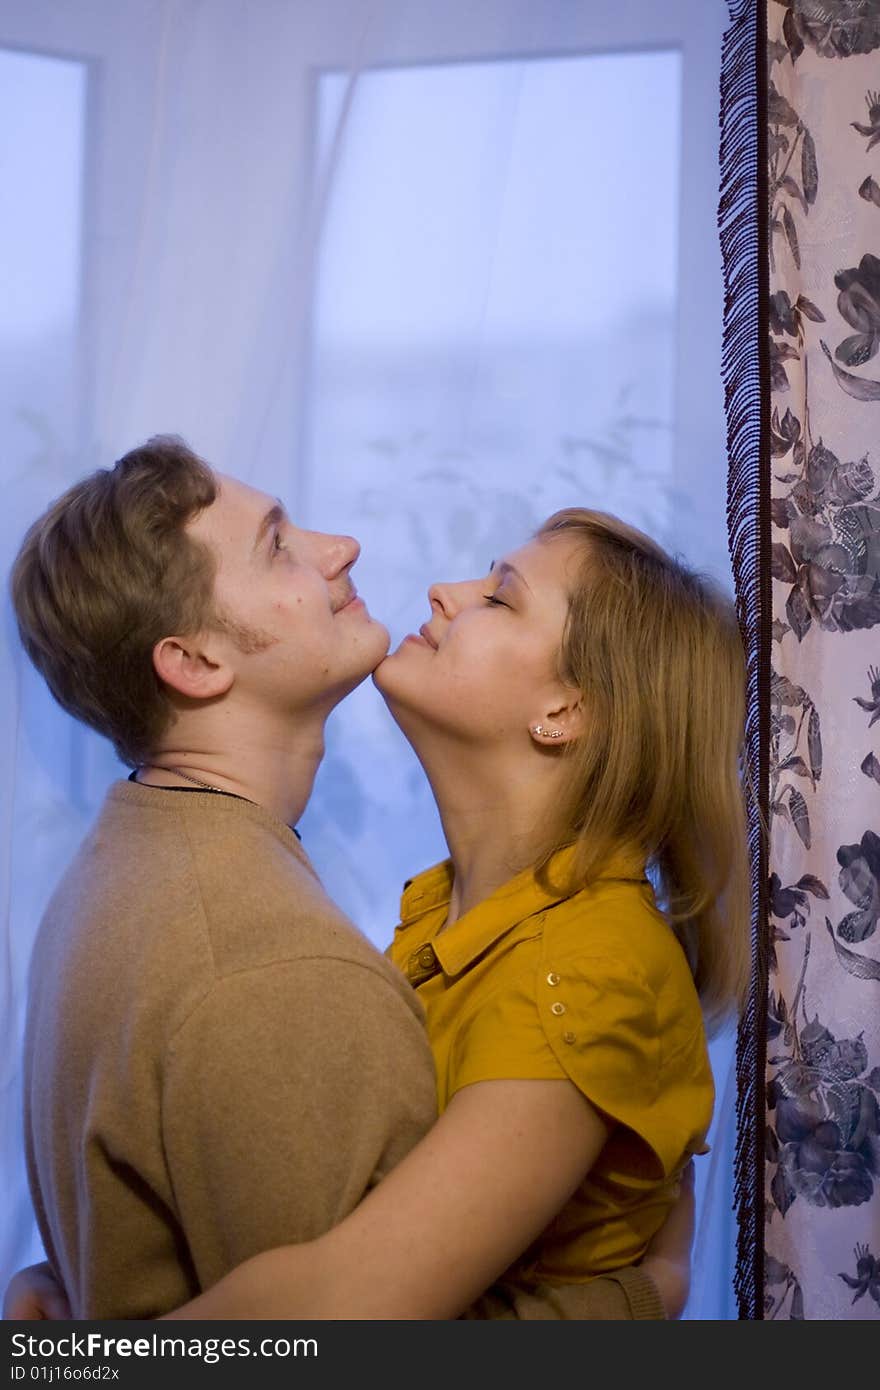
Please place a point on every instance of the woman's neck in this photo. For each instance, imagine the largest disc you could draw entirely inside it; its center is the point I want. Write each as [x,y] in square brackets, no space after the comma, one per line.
[495,812]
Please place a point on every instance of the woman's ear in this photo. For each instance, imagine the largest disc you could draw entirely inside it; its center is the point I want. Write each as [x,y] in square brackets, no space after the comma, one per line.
[561,722]
[188,665]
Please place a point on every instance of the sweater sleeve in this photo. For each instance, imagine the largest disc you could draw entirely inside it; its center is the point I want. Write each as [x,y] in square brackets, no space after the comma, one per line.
[627,1293]
[289,1091]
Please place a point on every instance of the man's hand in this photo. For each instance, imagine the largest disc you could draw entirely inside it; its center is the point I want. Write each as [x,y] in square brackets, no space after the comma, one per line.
[35,1294]
[668,1257]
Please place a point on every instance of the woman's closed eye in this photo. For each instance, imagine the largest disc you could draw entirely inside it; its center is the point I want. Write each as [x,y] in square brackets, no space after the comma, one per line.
[498,602]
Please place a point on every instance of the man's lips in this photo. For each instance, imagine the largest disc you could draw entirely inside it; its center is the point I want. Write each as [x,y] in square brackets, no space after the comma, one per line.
[350,598]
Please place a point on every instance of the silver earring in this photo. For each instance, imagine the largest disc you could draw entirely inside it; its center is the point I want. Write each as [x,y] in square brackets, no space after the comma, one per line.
[547,733]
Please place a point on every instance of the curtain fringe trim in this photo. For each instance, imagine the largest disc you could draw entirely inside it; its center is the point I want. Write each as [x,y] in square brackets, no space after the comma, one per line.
[742,224]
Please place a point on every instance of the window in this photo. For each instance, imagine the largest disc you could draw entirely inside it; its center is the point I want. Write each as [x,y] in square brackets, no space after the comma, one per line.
[494,337]
[42,112]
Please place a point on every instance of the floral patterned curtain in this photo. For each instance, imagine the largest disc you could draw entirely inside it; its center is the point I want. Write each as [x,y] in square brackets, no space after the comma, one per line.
[805,506]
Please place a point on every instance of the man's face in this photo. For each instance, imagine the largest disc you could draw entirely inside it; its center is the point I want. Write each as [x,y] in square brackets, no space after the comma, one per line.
[291,624]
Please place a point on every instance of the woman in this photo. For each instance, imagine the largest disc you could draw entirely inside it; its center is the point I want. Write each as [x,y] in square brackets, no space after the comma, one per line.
[579,716]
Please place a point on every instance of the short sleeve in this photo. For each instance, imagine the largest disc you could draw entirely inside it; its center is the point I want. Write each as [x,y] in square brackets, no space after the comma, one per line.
[504,1040]
[595,1023]
[600,1018]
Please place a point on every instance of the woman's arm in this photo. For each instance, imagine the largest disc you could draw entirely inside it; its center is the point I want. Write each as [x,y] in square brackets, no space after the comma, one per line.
[493,1172]
[35,1293]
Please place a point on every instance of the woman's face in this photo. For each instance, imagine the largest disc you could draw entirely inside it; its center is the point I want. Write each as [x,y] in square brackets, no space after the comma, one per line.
[485,665]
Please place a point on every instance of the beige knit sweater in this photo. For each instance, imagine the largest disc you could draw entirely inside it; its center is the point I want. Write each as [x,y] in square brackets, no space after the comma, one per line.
[217,1061]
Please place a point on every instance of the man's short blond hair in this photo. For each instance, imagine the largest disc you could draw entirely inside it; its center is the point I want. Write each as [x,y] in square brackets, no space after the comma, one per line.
[105,574]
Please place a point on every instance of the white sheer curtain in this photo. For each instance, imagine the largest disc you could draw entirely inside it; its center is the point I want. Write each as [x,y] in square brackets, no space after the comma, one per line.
[428,271]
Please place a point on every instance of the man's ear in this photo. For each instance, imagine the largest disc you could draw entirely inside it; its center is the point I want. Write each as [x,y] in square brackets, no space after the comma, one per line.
[187,665]
[560,721]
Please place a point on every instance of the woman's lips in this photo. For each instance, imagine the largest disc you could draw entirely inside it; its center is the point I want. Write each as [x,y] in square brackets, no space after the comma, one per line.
[421,639]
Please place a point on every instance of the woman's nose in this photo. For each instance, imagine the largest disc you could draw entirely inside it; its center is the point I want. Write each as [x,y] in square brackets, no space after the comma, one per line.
[440,599]
[450,599]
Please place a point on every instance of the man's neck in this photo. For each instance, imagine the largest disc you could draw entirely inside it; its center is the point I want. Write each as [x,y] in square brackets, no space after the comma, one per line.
[272,764]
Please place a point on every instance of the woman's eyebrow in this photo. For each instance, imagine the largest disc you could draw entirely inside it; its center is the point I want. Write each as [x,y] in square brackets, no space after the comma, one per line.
[506,568]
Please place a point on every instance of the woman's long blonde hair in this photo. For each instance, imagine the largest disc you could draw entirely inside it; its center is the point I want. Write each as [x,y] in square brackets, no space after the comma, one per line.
[655,650]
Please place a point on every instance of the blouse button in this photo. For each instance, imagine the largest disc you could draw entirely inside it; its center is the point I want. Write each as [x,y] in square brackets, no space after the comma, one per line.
[557,1008]
[427,957]
[553,978]
[568,1037]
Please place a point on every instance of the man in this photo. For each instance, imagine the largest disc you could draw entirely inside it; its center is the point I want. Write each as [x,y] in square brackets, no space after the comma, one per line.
[216,1060]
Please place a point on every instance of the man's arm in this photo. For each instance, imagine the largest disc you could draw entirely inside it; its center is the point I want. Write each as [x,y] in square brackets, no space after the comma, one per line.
[668,1258]
[33,1294]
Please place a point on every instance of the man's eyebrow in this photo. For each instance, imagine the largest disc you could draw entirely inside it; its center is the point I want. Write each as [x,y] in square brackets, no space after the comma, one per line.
[272,517]
[505,568]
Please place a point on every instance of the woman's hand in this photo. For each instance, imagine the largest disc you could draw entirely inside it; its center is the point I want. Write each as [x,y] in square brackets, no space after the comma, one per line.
[35,1294]
[668,1257]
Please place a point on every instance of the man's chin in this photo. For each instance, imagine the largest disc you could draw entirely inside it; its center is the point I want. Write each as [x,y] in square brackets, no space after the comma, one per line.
[374,655]
[372,661]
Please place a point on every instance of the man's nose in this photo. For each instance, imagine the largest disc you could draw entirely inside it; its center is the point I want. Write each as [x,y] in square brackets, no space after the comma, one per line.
[340,554]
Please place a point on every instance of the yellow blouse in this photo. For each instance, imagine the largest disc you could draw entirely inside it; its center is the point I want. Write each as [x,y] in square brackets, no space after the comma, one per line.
[593,987]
